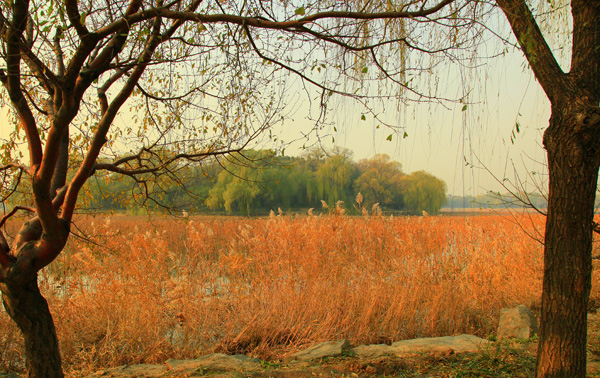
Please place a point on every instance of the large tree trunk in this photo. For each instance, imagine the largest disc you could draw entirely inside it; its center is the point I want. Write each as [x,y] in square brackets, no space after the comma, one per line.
[28,308]
[572,145]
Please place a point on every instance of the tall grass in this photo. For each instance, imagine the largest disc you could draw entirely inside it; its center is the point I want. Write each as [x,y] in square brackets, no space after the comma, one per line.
[152,289]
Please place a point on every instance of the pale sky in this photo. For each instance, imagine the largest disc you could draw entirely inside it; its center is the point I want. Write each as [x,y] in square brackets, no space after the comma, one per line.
[461,146]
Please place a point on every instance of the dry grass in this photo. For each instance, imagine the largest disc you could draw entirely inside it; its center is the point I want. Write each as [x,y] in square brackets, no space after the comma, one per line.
[163,288]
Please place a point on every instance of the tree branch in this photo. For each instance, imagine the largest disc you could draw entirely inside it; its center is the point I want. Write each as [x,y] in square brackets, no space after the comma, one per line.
[586,30]
[262,22]
[13,212]
[60,63]
[14,188]
[115,167]
[62,165]
[75,17]
[45,76]
[81,77]
[13,78]
[105,122]
[21,167]
[533,44]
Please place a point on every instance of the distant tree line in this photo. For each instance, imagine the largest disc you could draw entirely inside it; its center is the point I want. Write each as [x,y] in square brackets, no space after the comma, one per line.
[257,181]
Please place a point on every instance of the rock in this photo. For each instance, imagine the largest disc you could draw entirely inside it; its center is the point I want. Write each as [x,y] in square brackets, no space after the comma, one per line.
[441,352]
[518,322]
[446,345]
[214,362]
[373,350]
[137,371]
[322,350]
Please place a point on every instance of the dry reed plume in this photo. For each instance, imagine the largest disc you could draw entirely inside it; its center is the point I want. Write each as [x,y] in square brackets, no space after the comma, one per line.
[161,288]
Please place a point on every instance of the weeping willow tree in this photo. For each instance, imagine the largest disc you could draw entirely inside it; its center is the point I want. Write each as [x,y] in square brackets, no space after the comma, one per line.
[141,88]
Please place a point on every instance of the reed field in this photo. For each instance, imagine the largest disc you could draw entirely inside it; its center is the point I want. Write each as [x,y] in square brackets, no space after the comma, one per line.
[145,289]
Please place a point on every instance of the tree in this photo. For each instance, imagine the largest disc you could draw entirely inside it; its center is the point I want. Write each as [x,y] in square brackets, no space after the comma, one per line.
[252,179]
[204,77]
[423,192]
[310,163]
[335,176]
[573,146]
[380,181]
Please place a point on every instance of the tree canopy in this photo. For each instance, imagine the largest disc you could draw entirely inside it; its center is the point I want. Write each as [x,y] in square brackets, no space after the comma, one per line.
[258,181]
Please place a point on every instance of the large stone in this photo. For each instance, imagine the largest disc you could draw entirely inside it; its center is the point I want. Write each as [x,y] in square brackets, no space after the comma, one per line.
[322,350]
[137,371]
[214,362]
[440,345]
[518,322]
[373,350]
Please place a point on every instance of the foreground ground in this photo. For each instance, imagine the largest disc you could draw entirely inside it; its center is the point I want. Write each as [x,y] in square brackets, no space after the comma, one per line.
[506,359]
[513,358]
[137,290]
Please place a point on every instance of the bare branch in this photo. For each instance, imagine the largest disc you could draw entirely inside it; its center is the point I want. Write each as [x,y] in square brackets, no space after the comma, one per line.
[336,41]
[83,77]
[15,186]
[12,79]
[21,167]
[282,65]
[262,22]
[75,17]
[115,167]
[59,198]
[62,165]
[99,139]
[13,212]
[58,52]
[106,86]
[44,75]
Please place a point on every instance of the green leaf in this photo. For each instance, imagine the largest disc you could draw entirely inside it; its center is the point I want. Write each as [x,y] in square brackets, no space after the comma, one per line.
[365,70]
[300,11]
[82,18]
[464,107]
[362,117]
[405,135]
[389,137]
[518,127]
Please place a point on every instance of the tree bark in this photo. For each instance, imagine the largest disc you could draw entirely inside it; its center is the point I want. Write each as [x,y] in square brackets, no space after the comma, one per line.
[572,143]
[29,310]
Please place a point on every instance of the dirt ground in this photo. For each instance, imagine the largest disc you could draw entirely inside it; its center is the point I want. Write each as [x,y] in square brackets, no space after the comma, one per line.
[516,360]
